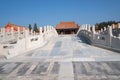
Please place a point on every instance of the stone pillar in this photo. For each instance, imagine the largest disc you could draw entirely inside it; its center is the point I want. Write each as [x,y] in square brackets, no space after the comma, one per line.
[93,34]
[86,27]
[110,30]
[18,31]
[101,30]
[48,29]
[40,31]
[119,25]
[3,30]
[89,28]
[26,39]
[113,26]
[3,33]
[45,29]
[12,32]
[110,35]
[93,29]
[105,29]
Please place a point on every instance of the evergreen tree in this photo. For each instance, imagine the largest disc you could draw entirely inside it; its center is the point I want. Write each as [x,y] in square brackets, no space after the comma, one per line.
[104,24]
[30,27]
[35,28]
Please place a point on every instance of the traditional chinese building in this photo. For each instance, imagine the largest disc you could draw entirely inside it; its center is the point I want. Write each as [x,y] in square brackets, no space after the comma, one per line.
[67,28]
[15,27]
[116,25]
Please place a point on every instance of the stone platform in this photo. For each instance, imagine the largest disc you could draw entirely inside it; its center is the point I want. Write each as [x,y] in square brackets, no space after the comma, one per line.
[63,58]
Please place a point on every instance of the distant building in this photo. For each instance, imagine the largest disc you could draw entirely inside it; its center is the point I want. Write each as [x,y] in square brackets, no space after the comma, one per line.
[67,28]
[116,25]
[15,27]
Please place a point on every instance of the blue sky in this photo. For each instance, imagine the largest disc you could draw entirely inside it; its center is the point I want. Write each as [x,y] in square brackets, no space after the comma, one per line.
[43,12]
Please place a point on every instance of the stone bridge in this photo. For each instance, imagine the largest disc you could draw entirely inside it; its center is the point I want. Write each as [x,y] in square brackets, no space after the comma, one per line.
[108,38]
[66,57]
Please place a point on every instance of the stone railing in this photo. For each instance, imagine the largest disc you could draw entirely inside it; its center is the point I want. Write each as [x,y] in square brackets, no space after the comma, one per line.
[14,43]
[106,38]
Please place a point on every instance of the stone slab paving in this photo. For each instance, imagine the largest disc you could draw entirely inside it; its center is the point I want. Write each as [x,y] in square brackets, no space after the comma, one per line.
[66,71]
[63,58]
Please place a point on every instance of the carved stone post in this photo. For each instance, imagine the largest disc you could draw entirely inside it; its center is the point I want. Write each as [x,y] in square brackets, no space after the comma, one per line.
[110,30]
[12,31]
[93,29]
[119,25]
[89,28]
[26,39]
[40,31]
[113,26]
[110,35]
[105,29]
[18,30]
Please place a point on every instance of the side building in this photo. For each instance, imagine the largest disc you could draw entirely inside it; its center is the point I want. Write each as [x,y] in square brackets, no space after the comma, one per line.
[14,26]
[67,28]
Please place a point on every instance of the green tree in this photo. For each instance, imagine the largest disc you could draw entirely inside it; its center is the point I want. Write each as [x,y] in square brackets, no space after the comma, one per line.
[104,24]
[30,27]
[35,28]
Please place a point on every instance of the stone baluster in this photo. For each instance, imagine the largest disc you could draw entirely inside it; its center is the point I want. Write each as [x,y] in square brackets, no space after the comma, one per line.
[119,25]
[110,35]
[86,27]
[26,39]
[40,31]
[12,31]
[105,29]
[3,32]
[113,26]
[101,30]
[110,30]
[89,28]
[18,30]
[45,29]
[93,29]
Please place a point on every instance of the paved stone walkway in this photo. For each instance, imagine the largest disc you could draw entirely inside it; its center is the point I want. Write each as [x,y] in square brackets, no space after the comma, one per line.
[63,58]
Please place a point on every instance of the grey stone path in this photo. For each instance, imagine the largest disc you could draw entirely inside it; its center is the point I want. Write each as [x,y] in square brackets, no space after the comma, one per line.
[63,58]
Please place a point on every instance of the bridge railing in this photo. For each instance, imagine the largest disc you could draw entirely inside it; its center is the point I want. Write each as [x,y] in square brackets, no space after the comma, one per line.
[108,37]
[16,42]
